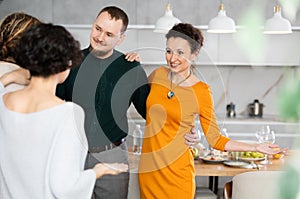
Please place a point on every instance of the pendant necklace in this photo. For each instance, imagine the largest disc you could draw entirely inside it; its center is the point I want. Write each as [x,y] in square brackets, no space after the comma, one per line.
[171,91]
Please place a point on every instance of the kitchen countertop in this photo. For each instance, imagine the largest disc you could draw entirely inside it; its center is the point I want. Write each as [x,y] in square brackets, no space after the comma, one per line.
[239,119]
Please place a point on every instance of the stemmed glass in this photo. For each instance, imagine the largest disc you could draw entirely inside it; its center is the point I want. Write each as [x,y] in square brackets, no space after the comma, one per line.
[198,144]
[198,132]
[266,135]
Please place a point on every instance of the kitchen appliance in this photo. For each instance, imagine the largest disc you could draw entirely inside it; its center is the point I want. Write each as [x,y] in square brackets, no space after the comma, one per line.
[255,109]
[230,110]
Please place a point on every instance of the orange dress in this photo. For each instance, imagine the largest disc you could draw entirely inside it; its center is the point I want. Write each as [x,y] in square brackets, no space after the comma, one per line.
[166,167]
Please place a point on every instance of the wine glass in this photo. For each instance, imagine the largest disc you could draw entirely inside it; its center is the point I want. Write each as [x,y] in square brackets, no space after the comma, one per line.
[198,144]
[266,135]
[224,132]
[198,134]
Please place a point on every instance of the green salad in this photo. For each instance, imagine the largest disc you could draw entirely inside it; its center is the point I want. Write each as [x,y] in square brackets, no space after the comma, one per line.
[251,155]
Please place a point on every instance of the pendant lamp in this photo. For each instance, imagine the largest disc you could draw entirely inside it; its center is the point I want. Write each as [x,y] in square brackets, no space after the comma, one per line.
[277,24]
[166,22]
[221,23]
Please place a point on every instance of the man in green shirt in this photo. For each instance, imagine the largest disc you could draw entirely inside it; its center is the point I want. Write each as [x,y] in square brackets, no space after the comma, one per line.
[105,85]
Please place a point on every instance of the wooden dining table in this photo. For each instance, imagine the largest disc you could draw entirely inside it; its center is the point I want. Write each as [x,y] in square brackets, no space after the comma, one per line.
[208,169]
[214,171]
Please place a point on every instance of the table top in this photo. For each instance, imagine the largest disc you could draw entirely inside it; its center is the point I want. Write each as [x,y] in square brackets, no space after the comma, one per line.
[205,169]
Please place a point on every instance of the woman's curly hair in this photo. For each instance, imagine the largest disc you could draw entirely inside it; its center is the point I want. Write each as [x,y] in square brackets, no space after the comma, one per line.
[188,32]
[47,49]
[11,30]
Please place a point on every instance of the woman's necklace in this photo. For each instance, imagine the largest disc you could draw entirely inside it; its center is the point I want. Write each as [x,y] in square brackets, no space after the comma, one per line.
[171,91]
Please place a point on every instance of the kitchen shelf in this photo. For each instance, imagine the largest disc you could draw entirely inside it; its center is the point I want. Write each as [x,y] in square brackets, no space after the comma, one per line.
[151,27]
[236,121]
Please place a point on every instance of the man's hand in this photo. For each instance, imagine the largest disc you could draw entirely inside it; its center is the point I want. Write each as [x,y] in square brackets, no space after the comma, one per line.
[192,137]
[133,56]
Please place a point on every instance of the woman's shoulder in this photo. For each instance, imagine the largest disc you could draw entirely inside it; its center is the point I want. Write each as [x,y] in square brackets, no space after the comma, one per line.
[159,72]
[71,106]
[201,86]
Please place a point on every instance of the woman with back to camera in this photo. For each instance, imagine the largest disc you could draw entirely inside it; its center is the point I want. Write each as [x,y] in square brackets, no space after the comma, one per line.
[176,98]
[11,29]
[42,140]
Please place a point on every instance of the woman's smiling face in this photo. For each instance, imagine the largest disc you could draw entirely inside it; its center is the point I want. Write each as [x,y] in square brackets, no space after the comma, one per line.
[178,54]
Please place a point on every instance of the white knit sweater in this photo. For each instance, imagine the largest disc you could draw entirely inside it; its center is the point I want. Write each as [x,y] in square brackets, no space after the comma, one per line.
[42,154]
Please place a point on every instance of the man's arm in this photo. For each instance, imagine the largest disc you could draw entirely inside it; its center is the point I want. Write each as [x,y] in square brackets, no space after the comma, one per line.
[140,95]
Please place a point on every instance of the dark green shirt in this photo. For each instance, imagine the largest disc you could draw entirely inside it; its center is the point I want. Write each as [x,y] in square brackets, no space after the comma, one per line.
[105,88]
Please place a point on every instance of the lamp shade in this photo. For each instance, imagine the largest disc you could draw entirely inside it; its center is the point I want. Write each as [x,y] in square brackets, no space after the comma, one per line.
[221,23]
[277,24]
[166,22]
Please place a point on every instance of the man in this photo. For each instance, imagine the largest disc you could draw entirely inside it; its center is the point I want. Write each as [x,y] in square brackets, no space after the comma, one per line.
[105,84]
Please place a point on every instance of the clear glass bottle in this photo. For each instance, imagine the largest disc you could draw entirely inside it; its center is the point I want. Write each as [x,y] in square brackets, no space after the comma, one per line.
[137,139]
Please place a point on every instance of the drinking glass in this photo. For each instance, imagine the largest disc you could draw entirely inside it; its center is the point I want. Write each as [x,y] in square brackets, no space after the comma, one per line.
[224,132]
[266,135]
[198,134]
[198,145]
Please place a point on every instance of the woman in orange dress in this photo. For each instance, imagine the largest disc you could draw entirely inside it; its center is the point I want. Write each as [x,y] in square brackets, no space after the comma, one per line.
[176,98]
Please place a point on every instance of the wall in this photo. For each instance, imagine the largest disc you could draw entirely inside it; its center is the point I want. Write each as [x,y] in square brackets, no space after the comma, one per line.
[239,67]
[246,47]
[230,63]
[198,12]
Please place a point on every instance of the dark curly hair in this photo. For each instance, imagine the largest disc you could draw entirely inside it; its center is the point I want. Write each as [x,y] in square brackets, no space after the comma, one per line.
[11,30]
[47,49]
[188,32]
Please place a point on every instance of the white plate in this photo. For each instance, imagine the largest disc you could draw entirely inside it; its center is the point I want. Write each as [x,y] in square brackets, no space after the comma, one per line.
[237,163]
[216,160]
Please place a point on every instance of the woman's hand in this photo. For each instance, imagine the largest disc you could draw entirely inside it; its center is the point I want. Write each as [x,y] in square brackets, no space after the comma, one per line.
[192,138]
[133,56]
[18,76]
[270,149]
[109,168]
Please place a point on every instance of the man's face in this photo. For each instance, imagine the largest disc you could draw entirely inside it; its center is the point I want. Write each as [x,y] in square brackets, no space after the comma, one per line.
[105,35]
